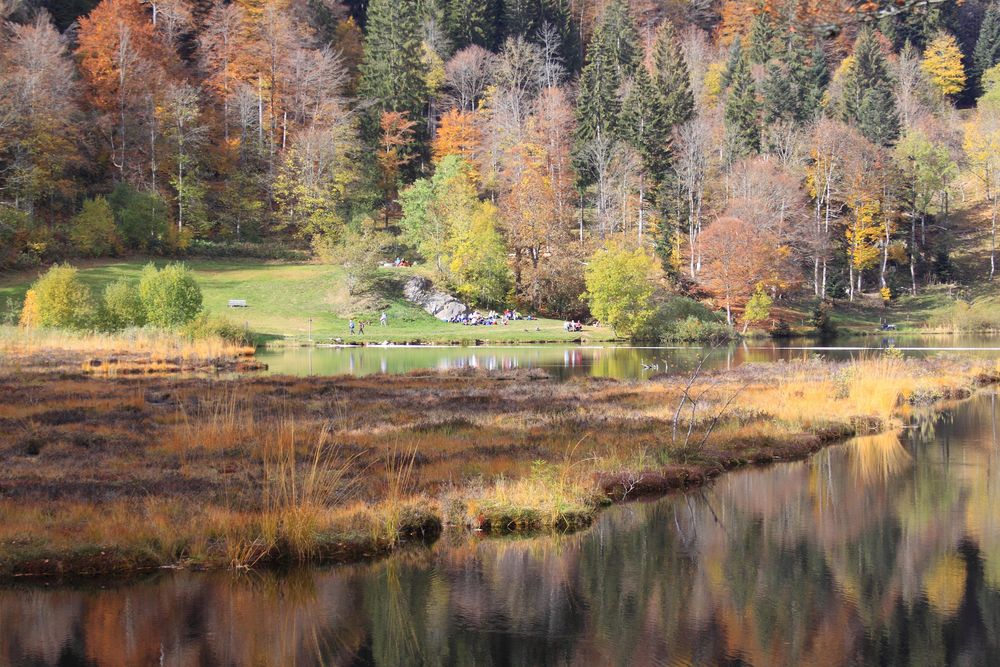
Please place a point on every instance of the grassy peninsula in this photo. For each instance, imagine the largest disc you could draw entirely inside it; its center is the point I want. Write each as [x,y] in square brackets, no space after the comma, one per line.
[126,473]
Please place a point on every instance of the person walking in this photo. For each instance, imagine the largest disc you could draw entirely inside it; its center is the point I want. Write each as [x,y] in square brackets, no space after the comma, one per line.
[383,320]
[361,328]
[350,325]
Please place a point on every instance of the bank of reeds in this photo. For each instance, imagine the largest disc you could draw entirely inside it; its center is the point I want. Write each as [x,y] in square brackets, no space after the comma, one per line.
[116,474]
[25,341]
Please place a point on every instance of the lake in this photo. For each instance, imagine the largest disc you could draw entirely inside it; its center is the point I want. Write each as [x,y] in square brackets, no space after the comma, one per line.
[882,551]
[623,362]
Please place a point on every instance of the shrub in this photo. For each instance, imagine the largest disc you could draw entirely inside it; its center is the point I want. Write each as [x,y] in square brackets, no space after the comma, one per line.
[206,326]
[821,321]
[694,330]
[170,295]
[60,299]
[29,311]
[93,229]
[758,308]
[122,306]
[781,329]
[620,288]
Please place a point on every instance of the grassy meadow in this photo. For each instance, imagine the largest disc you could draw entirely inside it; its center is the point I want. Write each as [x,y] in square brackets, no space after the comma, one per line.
[284,297]
[125,473]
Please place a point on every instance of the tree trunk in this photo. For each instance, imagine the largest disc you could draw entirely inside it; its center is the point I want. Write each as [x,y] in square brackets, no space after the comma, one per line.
[993,240]
[913,256]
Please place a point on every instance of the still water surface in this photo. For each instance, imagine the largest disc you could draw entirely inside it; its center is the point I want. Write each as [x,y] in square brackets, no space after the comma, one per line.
[882,551]
[565,361]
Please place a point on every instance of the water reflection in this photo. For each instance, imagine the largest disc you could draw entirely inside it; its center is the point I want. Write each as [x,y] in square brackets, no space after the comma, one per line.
[883,551]
[563,361]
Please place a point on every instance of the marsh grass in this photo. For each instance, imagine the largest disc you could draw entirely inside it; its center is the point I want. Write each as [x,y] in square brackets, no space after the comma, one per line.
[298,491]
[20,341]
[240,473]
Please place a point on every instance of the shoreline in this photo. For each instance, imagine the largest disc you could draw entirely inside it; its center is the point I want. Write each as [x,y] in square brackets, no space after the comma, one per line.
[190,489]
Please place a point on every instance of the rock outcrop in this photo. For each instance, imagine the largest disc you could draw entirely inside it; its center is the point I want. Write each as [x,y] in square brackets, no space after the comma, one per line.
[439,304]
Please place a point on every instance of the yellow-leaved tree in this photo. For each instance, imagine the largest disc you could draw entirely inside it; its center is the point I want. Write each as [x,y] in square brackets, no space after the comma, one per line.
[982,149]
[943,64]
[620,285]
[864,231]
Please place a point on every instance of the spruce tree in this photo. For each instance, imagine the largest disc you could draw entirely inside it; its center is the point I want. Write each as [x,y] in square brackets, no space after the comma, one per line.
[817,80]
[392,74]
[776,91]
[644,126]
[672,81]
[742,114]
[868,100]
[611,60]
[878,119]
[762,35]
[473,22]
[987,51]
[732,62]
[793,86]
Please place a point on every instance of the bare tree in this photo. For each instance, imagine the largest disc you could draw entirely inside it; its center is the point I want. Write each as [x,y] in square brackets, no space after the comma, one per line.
[467,75]
[186,134]
[692,145]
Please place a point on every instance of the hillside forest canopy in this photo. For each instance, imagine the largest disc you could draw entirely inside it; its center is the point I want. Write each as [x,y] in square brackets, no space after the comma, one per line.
[563,156]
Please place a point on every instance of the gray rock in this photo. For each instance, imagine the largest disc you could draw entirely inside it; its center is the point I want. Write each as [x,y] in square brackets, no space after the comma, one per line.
[439,304]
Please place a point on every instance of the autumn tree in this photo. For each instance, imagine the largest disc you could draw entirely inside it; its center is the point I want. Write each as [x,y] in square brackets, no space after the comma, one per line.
[943,64]
[457,134]
[432,207]
[620,285]
[395,151]
[737,259]
[120,61]
[982,150]
[40,118]
[927,169]
[467,75]
[478,268]
[219,46]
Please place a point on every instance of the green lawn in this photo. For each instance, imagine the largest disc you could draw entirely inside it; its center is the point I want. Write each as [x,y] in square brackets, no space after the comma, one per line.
[283,298]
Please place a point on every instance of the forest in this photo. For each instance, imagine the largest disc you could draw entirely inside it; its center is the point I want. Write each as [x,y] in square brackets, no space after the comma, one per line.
[569,157]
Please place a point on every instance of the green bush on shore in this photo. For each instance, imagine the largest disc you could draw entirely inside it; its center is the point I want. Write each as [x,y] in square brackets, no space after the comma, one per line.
[59,299]
[122,307]
[167,298]
[170,295]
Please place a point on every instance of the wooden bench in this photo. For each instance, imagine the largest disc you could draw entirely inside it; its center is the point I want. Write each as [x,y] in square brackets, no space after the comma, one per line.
[238,303]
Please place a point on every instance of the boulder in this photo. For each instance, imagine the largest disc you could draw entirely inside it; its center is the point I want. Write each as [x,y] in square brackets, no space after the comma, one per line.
[439,304]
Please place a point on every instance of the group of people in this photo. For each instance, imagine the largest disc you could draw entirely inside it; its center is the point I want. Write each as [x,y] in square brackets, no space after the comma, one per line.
[573,325]
[359,326]
[491,318]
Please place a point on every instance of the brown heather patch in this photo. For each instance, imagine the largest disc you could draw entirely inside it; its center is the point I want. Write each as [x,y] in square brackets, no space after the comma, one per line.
[261,469]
